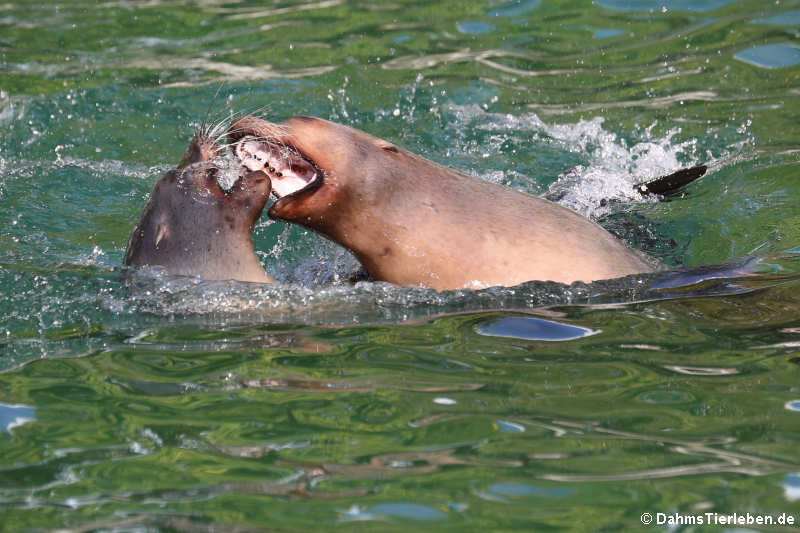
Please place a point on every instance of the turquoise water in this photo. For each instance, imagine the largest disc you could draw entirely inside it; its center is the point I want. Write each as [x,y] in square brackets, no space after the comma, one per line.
[180,405]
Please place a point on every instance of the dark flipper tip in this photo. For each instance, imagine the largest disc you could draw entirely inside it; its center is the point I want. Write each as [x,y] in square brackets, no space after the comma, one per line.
[672,184]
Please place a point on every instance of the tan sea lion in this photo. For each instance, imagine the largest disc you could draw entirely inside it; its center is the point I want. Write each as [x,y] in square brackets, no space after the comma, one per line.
[193,227]
[413,222]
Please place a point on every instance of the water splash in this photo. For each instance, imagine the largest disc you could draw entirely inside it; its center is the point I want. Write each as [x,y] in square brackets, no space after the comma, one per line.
[154,291]
[611,165]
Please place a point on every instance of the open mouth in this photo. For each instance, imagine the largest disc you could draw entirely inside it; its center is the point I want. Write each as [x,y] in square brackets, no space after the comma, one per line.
[289,171]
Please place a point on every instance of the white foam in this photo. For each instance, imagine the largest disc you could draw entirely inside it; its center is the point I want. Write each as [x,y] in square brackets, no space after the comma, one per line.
[229,170]
[613,165]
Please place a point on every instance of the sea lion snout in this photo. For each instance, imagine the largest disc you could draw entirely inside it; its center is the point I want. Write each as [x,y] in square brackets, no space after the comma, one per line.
[277,150]
[251,193]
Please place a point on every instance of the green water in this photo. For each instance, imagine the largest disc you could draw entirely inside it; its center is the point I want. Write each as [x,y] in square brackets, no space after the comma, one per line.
[176,405]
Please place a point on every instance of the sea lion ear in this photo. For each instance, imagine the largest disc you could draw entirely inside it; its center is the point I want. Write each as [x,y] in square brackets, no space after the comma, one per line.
[388,147]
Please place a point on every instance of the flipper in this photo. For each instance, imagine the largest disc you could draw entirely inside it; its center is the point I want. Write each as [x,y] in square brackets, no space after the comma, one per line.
[747,266]
[672,184]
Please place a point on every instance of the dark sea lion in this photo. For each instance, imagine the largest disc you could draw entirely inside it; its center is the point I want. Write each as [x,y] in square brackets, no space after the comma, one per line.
[193,227]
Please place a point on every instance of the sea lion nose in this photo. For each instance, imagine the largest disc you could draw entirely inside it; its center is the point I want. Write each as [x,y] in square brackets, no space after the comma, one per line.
[200,149]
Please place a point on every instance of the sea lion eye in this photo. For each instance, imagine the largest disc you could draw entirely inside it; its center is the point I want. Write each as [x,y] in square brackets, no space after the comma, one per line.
[390,148]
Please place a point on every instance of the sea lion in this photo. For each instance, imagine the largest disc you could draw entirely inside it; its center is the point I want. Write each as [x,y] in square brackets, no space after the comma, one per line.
[413,222]
[193,227]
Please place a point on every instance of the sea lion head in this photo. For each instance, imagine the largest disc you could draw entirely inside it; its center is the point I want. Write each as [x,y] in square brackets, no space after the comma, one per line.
[319,169]
[193,227]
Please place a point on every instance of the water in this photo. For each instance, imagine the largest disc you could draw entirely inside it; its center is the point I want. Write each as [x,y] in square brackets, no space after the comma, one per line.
[315,405]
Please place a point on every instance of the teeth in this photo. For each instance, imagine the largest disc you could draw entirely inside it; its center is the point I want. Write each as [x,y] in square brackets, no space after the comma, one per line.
[256,158]
[253,164]
[255,155]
